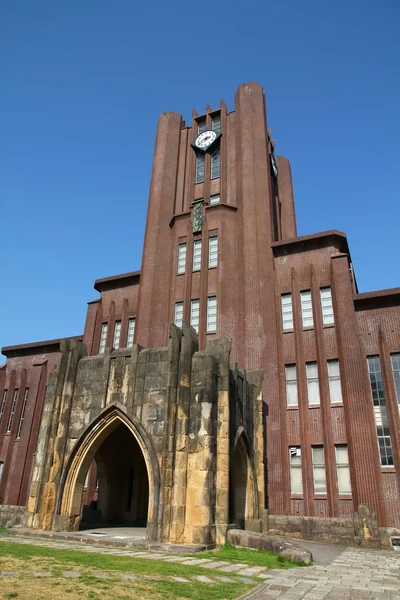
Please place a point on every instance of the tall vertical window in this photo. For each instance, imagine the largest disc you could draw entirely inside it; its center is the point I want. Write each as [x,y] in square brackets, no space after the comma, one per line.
[21,419]
[117,334]
[306,309]
[131,332]
[195,314]
[181,258]
[199,168]
[312,383]
[1,468]
[291,385]
[201,125]
[343,469]
[12,411]
[296,477]
[215,199]
[319,475]
[197,255]
[380,411]
[216,164]
[103,337]
[216,123]
[335,387]
[213,252]
[178,319]
[287,311]
[3,404]
[395,358]
[327,306]
[212,313]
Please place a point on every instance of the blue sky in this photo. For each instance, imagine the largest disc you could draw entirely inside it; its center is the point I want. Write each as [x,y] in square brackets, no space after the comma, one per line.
[83,84]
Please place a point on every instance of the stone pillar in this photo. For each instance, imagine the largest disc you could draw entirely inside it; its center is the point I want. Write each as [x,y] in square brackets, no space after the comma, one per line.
[200,491]
[178,510]
[259,442]
[45,486]
[221,351]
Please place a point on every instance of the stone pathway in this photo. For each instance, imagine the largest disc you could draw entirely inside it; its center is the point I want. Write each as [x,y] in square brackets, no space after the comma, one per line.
[355,574]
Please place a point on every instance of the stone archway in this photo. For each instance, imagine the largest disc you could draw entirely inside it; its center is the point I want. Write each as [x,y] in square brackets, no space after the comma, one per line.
[242,488]
[127,472]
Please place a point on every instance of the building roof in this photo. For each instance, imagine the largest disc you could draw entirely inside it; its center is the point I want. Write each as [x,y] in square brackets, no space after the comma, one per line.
[42,347]
[377,299]
[116,281]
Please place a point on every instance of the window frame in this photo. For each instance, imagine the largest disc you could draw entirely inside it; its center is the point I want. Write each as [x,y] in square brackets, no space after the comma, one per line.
[212,201]
[328,316]
[103,338]
[212,306]
[318,467]
[291,383]
[22,415]
[290,327]
[334,378]
[213,252]
[195,312]
[200,168]
[342,465]
[3,404]
[197,250]
[312,380]
[306,299]
[178,305]
[12,410]
[294,465]
[131,325]
[182,256]
[117,334]
[215,166]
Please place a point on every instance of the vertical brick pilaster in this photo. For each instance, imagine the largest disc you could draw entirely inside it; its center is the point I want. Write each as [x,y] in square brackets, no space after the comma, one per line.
[365,468]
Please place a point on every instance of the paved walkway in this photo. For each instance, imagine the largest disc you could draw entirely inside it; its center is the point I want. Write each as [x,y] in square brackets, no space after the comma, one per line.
[347,574]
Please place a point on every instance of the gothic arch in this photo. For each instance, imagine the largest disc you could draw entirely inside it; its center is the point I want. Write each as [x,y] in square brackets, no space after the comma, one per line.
[84,451]
[243,496]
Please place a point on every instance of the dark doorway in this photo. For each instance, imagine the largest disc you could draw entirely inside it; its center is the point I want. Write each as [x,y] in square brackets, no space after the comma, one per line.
[121,492]
[240,486]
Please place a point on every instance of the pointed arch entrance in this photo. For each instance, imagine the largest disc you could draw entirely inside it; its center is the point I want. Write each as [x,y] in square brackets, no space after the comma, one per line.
[242,483]
[127,472]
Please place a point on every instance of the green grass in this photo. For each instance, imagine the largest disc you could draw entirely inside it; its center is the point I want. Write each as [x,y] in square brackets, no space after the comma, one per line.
[259,558]
[25,559]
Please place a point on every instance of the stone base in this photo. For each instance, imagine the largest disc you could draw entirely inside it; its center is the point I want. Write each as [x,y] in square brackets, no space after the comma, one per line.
[11,516]
[261,541]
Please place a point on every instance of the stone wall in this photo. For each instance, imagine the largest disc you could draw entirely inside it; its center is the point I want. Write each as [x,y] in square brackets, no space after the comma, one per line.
[11,516]
[186,410]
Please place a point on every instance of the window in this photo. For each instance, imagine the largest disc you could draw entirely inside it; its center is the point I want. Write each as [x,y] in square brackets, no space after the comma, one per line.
[215,199]
[312,383]
[327,307]
[296,477]
[395,358]
[212,313]
[213,252]
[1,468]
[201,125]
[287,311]
[318,463]
[306,309]
[21,419]
[103,337]
[342,469]
[195,314]
[12,411]
[3,404]
[216,123]
[117,334]
[380,411]
[181,258]
[291,385]
[215,164]
[197,255]
[199,168]
[178,314]
[131,332]
[335,388]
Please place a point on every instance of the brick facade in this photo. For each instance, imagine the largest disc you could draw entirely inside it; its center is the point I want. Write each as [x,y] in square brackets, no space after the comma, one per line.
[260,258]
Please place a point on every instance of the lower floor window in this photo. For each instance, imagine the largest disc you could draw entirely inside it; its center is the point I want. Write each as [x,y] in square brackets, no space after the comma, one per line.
[342,469]
[296,477]
[319,475]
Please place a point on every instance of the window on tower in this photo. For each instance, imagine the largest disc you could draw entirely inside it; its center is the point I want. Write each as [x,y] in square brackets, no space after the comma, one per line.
[216,164]
[216,123]
[199,168]
[201,125]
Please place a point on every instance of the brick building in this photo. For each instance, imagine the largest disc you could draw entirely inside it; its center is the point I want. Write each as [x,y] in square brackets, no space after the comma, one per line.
[221,253]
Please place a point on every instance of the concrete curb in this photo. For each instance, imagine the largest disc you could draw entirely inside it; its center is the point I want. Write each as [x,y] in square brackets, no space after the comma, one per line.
[263,541]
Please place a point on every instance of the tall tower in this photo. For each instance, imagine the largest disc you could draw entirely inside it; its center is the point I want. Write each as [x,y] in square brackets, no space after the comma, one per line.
[215,208]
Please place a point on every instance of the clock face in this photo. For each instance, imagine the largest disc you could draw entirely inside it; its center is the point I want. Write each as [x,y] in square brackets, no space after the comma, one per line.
[205,139]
